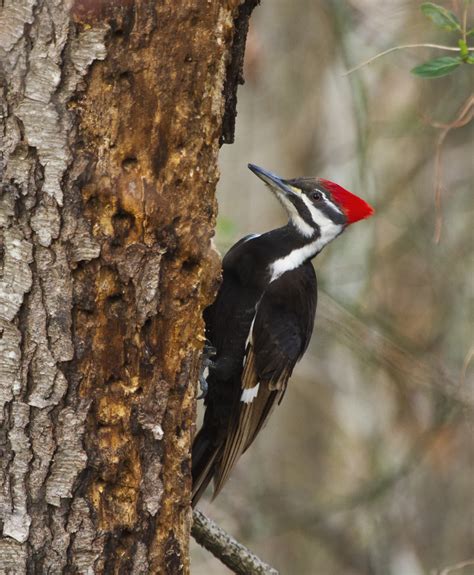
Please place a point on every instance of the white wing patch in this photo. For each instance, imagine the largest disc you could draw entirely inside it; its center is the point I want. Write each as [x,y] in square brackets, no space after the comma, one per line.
[248,395]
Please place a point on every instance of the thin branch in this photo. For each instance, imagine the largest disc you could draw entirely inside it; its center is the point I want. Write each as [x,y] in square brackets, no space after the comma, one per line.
[357,334]
[464,117]
[402,47]
[457,567]
[230,552]
[464,24]
[465,365]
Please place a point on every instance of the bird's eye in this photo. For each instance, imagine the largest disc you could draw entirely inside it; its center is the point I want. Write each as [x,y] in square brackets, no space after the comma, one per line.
[316,196]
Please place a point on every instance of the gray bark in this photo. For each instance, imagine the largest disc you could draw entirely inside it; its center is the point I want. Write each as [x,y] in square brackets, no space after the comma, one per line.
[41,442]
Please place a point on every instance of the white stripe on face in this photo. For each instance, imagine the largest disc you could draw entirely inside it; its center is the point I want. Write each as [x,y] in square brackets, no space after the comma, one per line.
[332,205]
[326,225]
[303,227]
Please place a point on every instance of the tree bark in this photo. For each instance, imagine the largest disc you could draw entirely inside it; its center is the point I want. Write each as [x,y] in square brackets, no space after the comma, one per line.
[111,118]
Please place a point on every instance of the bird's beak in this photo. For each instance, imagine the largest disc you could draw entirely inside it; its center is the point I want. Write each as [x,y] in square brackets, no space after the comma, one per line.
[276,183]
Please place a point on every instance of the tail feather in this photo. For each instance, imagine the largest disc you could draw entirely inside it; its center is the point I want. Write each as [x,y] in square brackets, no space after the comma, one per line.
[203,460]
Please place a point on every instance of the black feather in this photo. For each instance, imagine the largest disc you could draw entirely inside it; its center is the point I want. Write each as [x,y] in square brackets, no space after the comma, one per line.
[282,312]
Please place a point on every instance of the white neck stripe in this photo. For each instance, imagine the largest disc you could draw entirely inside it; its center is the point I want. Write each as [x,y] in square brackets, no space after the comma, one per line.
[297,257]
[294,259]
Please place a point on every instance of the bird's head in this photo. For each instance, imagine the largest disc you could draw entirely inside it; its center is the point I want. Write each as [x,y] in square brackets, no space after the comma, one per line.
[316,206]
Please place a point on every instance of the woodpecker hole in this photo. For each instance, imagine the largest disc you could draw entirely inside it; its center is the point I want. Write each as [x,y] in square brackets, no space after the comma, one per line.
[129,163]
[189,264]
[123,222]
[113,304]
[92,203]
[114,297]
[123,27]
[126,78]
[147,327]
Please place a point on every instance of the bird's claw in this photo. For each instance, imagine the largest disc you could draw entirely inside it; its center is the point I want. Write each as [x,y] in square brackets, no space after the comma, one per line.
[204,386]
[208,352]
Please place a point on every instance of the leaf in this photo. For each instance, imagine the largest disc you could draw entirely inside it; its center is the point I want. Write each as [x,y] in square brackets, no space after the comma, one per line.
[470,32]
[226,226]
[437,67]
[440,16]
[463,48]
[470,60]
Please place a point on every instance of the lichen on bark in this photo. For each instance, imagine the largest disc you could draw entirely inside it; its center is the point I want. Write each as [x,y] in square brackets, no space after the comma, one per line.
[41,443]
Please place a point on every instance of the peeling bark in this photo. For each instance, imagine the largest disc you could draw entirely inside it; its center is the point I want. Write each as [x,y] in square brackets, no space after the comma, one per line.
[235,69]
[111,116]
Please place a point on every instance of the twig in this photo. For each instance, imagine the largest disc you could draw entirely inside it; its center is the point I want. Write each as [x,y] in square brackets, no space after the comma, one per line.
[464,117]
[457,567]
[464,24]
[230,552]
[465,365]
[402,47]
[357,334]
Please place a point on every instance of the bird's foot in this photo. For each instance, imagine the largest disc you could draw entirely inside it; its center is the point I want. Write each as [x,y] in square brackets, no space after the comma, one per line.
[208,352]
[203,386]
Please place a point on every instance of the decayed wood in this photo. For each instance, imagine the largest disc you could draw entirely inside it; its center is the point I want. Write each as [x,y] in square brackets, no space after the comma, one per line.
[111,119]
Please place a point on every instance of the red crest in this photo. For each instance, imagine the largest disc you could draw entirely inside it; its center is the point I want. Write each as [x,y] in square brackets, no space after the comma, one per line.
[355,208]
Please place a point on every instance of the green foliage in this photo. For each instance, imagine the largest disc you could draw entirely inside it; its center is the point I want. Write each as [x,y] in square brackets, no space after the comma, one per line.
[437,67]
[441,17]
[447,20]
[226,230]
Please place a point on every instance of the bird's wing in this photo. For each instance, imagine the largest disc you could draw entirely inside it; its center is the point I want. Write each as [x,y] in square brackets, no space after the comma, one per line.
[278,337]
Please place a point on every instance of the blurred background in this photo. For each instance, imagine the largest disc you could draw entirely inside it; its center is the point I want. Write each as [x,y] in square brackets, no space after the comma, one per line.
[367,467]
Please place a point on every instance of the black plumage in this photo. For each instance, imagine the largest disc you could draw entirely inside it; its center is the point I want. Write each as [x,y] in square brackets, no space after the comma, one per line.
[260,325]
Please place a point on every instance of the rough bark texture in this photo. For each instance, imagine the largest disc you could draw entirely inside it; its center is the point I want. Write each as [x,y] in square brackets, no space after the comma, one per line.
[111,119]
[235,69]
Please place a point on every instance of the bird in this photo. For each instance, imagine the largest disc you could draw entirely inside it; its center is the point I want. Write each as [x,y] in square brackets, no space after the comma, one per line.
[261,321]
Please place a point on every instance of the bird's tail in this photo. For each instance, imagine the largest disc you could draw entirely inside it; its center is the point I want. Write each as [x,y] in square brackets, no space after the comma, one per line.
[203,460]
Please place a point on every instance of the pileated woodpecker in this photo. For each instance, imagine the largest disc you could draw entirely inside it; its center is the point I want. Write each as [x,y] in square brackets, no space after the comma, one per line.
[262,319]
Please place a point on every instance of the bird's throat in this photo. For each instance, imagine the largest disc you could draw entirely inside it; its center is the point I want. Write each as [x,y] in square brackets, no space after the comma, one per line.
[301,253]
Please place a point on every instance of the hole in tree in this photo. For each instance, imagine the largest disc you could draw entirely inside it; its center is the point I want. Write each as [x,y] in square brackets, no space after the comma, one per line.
[129,163]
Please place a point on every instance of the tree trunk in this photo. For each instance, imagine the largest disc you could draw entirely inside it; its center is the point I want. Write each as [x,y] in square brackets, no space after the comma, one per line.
[112,112]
